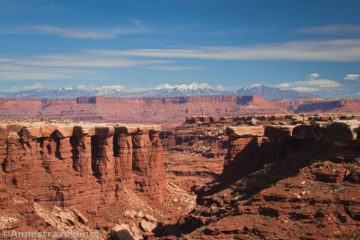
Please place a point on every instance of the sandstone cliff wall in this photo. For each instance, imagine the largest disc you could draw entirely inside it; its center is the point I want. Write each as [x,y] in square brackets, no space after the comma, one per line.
[296,179]
[250,147]
[82,166]
[170,110]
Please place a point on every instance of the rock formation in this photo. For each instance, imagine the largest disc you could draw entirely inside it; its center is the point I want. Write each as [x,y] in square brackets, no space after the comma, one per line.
[169,111]
[259,176]
[284,177]
[81,165]
[196,150]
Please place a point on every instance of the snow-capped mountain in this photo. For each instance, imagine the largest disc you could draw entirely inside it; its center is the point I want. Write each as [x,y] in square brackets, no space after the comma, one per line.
[194,89]
[69,92]
[164,90]
[273,92]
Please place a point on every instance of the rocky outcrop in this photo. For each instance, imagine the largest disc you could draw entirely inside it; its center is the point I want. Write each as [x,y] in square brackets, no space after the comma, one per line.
[196,120]
[243,150]
[80,165]
[196,150]
[280,181]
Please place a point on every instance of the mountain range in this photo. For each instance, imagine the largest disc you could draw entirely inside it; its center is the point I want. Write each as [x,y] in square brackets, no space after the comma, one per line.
[165,90]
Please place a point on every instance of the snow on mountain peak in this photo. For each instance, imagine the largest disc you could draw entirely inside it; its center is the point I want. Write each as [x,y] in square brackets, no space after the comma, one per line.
[117,88]
[256,85]
[188,87]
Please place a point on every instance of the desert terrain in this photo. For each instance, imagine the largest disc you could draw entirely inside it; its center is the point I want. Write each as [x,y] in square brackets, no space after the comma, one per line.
[167,111]
[259,176]
[179,120]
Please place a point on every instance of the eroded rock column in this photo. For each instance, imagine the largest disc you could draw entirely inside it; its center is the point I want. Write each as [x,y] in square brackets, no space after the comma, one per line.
[63,164]
[123,150]
[102,155]
[148,164]
[81,145]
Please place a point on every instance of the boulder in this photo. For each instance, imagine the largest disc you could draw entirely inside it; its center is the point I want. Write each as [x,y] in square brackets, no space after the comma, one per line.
[147,226]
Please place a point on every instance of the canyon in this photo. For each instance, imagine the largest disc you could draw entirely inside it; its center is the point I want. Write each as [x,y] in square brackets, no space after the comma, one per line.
[169,112]
[60,175]
[284,176]
[274,176]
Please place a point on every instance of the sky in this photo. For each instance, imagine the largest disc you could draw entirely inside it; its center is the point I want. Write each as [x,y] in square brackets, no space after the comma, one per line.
[308,45]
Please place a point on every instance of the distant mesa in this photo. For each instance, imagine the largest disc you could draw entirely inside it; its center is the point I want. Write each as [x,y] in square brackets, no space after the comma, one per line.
[165,111]
[257,100]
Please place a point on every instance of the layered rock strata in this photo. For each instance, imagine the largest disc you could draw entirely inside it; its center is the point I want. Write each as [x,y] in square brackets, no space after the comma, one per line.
[80,165]
[283,181]
[196,150]
[169,111]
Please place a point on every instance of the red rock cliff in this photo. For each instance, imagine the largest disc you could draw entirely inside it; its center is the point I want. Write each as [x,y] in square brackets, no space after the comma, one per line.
[296,181]
[82,165]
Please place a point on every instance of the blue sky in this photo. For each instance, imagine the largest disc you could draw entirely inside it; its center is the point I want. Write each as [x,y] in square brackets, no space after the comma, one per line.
[309,45]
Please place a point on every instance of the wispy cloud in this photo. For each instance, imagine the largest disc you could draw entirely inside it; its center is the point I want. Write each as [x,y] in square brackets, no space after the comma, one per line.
[199,30]
[305,89]
[136,26]
[313,83]
[330,50]
[65,66]
[352,76]
[74,33]
[174,68]
[313,76]
[18,72]
[331,29]
[85,61]
[35,86]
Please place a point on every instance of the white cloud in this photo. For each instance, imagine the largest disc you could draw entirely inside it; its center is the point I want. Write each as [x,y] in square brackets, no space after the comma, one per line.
[329,50]
[74,33]
[28,87]
[305,89]
[352,76]
[331,29]
[174,68]
[313,83]
[66,66]
[78,33]
[284,85]
[84,61]
[313,75]
[18,72]
[5,60]
[321,83]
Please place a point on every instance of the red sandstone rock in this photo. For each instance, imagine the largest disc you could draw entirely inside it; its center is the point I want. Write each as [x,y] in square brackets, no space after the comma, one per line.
[169,111]
[63,164]
[282,187]
[135,110]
